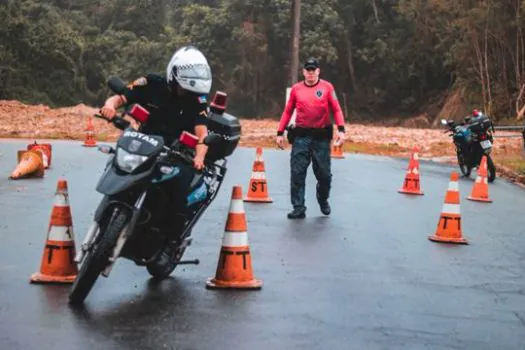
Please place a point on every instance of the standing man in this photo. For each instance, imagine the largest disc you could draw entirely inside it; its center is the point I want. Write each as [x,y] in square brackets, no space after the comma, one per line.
[312,100]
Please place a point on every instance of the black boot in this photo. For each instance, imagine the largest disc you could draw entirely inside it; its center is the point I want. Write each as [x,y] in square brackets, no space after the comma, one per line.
[323,203]
[297,214]
[325,208]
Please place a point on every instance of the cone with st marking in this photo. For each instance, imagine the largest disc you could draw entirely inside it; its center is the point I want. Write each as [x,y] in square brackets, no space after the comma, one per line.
[412,183]
[90,134]
[480,190]
[57,264]
[30,164]
[234,269]
[337,150]
[449,225]
[258,189]
[46,150]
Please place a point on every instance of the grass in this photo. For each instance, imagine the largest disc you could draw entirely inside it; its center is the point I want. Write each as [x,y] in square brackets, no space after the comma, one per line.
[513,162]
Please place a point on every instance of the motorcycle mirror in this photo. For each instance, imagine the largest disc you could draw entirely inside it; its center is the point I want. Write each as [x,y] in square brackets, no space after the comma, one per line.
[106,149]
[212,139]
[444,121]
[116,85]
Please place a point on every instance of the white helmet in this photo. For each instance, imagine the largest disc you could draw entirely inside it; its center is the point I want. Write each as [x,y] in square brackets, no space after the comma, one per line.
[190,69]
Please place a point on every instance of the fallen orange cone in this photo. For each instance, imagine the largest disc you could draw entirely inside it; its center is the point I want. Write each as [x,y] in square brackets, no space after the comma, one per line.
[258,189]
[234,269]
[46,150]
[449,225]
[30,164]
[90,134]
[57,264]
[480,191]
[412,183]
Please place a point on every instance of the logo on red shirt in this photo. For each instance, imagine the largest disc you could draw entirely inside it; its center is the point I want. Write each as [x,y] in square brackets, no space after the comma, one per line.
[319,93]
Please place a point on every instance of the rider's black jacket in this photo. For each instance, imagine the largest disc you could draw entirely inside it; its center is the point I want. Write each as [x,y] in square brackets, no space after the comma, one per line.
[170,114]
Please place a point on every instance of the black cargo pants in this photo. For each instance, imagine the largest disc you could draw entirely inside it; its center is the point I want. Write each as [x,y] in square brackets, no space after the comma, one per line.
[306,149]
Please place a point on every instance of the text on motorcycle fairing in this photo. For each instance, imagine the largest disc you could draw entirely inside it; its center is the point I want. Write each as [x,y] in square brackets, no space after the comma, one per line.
[142,137]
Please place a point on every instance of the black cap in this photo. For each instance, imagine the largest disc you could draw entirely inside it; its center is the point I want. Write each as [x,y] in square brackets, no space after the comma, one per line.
[311,63]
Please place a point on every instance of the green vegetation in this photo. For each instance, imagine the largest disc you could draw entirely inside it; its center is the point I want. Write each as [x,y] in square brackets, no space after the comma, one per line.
[385,57]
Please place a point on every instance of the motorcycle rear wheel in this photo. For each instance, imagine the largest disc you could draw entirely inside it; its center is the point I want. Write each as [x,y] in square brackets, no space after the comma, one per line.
[491,169]
[97,259]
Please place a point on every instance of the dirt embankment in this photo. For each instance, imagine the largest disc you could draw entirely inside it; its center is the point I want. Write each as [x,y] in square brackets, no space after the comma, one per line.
[18,120]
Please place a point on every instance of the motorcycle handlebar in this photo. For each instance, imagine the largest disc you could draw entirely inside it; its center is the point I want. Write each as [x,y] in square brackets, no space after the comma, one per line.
[118,122]
[208,165]
[122,124]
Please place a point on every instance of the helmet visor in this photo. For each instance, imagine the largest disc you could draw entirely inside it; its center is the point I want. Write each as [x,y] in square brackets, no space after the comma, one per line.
[195,71]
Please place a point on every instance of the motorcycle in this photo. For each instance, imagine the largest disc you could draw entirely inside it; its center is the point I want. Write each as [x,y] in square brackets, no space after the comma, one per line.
[128,223]
[472,141]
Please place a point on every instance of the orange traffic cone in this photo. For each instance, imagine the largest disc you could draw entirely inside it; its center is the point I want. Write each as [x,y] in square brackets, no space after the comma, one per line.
[480,191]
[258,190]
[449,225]
[30,164]
[234,269]
[337,151]
[412,184]
[57,264]
[45,148]
[90,134]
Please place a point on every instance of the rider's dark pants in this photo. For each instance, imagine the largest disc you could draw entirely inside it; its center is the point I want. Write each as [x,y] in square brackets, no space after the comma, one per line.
[178,190]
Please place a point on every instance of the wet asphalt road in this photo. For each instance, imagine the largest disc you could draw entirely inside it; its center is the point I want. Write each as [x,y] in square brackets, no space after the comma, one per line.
[364,278]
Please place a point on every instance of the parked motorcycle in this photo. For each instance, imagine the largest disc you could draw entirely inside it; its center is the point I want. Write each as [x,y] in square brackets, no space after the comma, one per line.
[473,140]
[130,218]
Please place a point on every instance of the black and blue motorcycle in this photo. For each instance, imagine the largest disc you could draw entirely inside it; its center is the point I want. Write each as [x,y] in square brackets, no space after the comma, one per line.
[129,219]
[473,139]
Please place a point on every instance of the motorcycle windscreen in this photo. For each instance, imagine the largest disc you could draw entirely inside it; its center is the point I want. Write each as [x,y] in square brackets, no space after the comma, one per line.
[138,143]
[112,182]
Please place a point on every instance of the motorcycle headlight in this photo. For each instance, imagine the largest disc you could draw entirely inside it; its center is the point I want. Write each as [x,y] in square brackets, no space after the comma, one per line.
[128,162]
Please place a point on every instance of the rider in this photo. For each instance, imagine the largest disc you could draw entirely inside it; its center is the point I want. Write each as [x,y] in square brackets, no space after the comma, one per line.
[177,103]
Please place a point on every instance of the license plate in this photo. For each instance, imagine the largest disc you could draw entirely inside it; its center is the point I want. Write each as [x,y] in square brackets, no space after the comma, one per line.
[486,144]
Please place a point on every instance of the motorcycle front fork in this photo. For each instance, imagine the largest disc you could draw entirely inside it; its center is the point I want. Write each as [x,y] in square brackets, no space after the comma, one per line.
[94,230]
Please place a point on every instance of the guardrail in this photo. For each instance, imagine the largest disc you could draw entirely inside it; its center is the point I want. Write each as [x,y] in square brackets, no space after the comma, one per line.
[516,128]
[512,127]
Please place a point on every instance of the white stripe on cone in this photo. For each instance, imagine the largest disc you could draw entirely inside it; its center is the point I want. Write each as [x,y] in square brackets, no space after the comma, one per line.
[61,200]
[235,239]
[236,206]
[60,233]
[46,160]
[453,186]
[450,209]
[258,175]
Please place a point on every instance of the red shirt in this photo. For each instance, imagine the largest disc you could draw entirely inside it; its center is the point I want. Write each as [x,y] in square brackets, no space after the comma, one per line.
[312,106]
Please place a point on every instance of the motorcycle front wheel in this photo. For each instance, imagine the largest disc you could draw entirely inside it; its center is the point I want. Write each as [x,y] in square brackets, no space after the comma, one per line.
[463,165]
[97,258]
